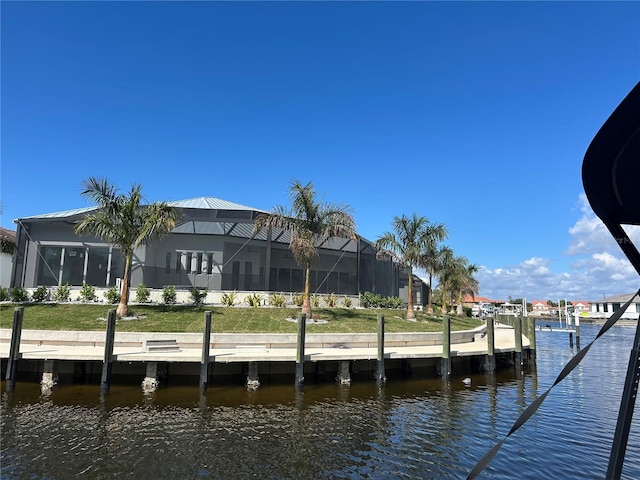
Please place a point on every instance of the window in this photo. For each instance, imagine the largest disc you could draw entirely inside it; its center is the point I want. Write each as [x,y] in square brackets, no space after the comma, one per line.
[178,262]
[49,268]
[210,263]
[73,265]
[199,262]
[189,261]
[97,263]
[167,263]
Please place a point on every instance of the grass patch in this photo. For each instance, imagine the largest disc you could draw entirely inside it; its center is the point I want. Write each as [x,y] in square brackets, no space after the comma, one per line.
[189,318]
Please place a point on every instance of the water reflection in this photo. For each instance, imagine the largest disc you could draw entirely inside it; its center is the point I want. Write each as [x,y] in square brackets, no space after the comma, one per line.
[421,428]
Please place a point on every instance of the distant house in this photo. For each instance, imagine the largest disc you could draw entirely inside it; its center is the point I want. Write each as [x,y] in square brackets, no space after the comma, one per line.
[469,301]
[605,307]
[581,307]
[541,307]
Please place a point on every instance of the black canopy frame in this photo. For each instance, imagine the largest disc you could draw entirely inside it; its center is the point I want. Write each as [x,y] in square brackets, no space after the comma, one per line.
[611,180]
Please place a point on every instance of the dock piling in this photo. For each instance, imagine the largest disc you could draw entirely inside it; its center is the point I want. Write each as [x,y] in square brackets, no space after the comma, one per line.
[344,374]
[446,348]
[380,375]
[107,365]
[302,323]
[150,383]
[204,363]
[49,377]
[517,329]
[491,347]
[14,349]
[253,381]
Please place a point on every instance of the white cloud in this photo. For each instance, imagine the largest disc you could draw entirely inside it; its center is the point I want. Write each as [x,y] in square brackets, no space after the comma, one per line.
[599,267]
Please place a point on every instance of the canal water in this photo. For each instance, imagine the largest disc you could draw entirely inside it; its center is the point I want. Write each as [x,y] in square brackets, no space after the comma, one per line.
[411,429]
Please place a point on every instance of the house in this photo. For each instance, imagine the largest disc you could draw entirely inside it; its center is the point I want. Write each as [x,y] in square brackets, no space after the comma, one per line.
[211,246]
[605,307]
[541,307]
[581,307]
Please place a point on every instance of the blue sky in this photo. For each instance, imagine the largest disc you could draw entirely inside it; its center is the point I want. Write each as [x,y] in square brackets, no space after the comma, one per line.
[474,114]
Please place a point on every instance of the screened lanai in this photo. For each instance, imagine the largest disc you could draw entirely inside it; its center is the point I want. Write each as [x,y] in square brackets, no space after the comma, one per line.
[212,246]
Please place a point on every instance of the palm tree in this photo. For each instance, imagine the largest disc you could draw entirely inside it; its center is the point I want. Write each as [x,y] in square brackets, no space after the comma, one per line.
[465,282]
[431,257]
[444,269]
[122,221]
[458,280]
[310,222]
[405,245]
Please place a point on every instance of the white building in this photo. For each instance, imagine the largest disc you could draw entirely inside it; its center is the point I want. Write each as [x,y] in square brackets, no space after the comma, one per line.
[605,307]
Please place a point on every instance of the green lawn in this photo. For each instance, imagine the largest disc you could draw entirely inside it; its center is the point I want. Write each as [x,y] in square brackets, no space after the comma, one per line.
[181,318]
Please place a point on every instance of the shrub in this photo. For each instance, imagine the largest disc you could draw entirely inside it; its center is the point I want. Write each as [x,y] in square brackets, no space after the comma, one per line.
[229,299]
[315,301]
[143,293]
[298,299]
[112,295]
[18,294]
[198,295]
[371,300]
[253,300]
[4,294]
[467,311]
[87,293]
[277,300]
[169,295]
[347,302]
[62,293]
[40,294]
[331,300]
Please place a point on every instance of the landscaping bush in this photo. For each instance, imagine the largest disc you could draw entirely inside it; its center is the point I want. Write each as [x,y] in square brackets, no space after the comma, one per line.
[229,299]
[253,300]
[40,294]
[277,300]
[331,300]
[315,301]
[4,294]
[298,299]
[371,300]
[87,293]
[62,293]
[143,293]
[169,295]
[198,295]
[18,294]
[112,295]
[347,302]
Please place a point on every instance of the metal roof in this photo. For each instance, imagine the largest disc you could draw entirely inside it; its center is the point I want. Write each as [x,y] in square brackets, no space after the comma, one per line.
[201,203]
[618,299]
[63,214]
[210,203]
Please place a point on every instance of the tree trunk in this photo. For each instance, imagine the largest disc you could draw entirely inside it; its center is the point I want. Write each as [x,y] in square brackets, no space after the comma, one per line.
[430,300]
[444,301]
[306,303]
[411,315]
[123,306]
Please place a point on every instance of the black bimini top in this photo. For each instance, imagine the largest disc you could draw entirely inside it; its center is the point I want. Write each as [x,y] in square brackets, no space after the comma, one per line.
[611,173]
[611,166]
